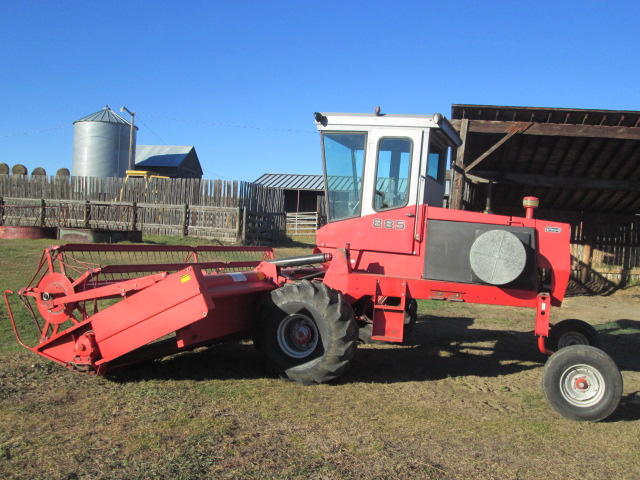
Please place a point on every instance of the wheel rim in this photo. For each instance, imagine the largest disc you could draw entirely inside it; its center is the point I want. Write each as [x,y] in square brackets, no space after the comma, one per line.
[582,385]
[298,336]
[572,338]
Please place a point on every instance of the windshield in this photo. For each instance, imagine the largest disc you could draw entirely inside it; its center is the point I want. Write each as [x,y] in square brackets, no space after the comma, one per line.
[343,163]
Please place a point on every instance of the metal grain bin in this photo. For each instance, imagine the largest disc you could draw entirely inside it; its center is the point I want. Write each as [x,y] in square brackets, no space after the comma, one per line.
[101,145]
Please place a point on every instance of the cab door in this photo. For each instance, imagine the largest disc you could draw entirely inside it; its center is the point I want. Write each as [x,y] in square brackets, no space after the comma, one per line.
[391,189]
[434,180]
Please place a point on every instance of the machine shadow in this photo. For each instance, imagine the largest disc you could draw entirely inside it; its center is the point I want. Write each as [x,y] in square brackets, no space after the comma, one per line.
[628,410]
[442,347]
[438,348]
[227,361]
[621,340]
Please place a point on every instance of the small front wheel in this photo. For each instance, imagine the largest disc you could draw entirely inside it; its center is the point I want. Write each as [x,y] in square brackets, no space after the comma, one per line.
[572,332]
[582,383]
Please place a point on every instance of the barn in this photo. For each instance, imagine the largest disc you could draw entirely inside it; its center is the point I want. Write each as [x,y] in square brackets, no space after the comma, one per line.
[303,199]
[169,160]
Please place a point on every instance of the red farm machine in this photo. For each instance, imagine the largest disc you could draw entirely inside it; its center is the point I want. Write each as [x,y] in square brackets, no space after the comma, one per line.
[387,243]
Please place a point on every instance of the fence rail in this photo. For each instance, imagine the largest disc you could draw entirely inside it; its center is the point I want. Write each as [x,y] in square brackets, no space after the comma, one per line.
[227,224]
[302,223]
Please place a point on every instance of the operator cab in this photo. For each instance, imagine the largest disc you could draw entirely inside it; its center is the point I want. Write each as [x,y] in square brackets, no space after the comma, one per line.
[379,162]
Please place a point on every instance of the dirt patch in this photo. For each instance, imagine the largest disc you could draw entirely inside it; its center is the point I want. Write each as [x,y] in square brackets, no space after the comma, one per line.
[598,309]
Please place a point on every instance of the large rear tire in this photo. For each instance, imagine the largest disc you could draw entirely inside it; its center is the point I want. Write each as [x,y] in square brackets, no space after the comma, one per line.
[308,333]
[582,383]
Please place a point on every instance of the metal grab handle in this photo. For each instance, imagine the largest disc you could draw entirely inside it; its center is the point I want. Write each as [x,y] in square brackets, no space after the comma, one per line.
[13,322]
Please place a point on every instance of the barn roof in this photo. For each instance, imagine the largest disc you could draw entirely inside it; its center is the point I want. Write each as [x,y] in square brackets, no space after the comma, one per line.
[161,155]
[289,181]
[572,159]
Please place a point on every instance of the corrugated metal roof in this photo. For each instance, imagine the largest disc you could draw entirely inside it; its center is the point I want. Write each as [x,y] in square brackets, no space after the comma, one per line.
[106,115]
[290,181]
[161,155]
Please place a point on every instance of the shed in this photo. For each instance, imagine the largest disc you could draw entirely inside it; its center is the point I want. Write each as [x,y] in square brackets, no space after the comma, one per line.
[583,165]
[169,160]
[302,193]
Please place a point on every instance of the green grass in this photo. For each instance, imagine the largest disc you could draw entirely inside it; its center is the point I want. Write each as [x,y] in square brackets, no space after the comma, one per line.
[459,400]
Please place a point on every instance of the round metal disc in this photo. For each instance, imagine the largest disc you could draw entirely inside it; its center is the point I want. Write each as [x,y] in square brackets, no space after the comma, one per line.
[50,287]
[497,257]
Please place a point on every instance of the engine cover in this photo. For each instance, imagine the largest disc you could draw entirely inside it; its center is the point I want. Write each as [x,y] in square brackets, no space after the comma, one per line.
[480,253]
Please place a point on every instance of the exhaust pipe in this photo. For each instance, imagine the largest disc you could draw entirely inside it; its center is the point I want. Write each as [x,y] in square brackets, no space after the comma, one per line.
[302,260]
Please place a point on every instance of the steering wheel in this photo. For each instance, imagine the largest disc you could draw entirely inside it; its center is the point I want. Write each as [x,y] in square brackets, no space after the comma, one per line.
[382,198]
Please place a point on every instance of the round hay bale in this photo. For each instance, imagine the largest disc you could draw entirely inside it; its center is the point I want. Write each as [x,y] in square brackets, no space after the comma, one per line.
[39,171]
[63,172]
[19,169]
[4,169]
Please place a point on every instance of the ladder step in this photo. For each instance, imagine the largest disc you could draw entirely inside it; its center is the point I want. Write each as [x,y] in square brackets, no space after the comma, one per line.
[388,325]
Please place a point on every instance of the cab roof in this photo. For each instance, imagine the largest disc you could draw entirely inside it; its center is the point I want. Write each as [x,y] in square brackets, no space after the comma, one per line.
[364,121]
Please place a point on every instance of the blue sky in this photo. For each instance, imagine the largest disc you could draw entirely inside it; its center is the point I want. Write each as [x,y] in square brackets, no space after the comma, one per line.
[240,80]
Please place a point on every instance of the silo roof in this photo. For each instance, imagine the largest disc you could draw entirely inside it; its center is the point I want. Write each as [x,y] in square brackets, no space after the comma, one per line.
[106,115]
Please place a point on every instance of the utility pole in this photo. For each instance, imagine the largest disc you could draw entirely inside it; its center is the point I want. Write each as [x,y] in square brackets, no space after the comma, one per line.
[131,162]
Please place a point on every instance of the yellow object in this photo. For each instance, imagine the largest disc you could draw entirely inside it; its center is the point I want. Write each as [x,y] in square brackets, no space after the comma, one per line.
[148,174]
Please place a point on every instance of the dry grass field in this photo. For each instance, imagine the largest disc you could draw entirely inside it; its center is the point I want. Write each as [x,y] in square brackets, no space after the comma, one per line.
[460,400]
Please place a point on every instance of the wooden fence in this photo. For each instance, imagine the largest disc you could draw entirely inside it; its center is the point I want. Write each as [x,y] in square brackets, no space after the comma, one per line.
[605,250]
[173,191]
[226,210]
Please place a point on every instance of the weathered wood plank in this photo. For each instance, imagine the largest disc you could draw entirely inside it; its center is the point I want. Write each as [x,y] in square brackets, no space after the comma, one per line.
[553,129]
[557,181]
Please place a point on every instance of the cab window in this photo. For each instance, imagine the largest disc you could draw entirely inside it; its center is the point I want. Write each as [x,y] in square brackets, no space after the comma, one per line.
[436,162]
[392,173]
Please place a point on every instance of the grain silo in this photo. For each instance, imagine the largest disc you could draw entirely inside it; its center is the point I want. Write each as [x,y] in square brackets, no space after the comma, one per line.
[101,145]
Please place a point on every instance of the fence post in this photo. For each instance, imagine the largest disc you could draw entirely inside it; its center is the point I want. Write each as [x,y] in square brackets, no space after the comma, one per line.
[86,214]
[185,223]
[238,224]
[134,215]
[244,225]
[586,261]
[273,229]
[42,212]
[1,211]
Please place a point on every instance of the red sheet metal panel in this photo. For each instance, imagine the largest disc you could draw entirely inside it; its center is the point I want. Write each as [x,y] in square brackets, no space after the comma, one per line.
[150,314]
